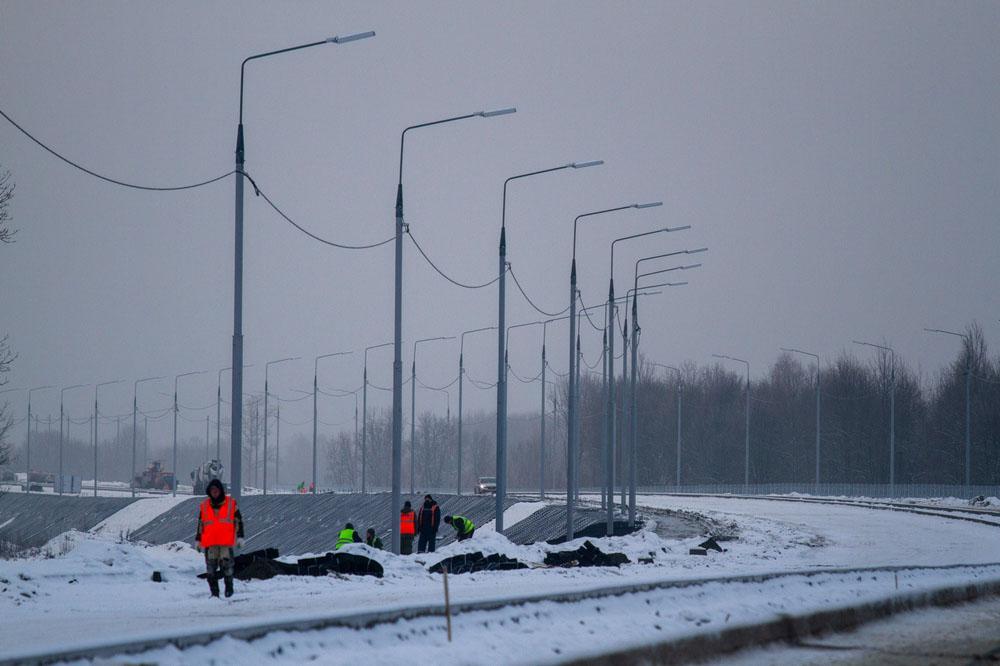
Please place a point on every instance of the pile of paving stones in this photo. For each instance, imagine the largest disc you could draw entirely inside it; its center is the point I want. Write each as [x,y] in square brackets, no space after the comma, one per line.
[587,555]
[470,562]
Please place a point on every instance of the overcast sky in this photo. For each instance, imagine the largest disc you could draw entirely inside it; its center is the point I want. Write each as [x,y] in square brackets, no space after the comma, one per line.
[839,159]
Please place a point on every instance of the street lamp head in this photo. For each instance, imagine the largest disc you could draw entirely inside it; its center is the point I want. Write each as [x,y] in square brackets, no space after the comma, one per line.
[584,165]
[700,249]
[648,205]
[350,38]
[497,112]
[680,228]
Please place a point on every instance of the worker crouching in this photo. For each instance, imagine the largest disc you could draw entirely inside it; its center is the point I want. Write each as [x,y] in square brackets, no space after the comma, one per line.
[464,528]
[220,530]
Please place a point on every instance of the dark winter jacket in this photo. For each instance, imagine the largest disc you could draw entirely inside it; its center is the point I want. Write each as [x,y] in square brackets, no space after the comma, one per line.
[428,518]
[374,542]
[215,483]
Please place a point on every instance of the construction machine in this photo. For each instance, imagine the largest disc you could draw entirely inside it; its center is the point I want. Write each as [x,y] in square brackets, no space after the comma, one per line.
[208,470]
[154,477]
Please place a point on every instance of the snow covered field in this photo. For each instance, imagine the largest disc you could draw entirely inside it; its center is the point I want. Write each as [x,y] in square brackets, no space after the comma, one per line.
[90,589]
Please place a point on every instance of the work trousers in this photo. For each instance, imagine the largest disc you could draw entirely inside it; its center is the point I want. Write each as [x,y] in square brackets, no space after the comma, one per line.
[219,558]
[426,542]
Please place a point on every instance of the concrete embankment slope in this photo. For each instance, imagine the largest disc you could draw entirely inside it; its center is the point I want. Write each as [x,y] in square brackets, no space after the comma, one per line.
[297,524]
[30,520]
[294,524]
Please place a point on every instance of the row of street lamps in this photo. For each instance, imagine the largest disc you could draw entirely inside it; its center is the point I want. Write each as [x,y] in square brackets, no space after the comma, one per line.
[397,420]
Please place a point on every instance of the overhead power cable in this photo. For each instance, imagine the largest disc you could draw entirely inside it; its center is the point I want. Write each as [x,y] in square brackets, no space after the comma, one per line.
[442,274]
[112,180]
[437,388]
[530,302]
[292,222]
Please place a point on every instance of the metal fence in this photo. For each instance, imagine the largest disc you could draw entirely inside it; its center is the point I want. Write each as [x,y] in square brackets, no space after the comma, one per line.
[879,490]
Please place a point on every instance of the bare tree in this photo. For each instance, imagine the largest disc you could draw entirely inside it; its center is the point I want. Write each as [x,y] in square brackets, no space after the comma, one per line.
[6,194]
[6,355]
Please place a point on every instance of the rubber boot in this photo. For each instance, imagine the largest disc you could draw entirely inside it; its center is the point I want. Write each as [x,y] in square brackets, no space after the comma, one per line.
[213,585]
[229,587]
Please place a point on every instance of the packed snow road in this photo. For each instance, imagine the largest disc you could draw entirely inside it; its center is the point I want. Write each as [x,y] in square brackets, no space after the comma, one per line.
[95,591]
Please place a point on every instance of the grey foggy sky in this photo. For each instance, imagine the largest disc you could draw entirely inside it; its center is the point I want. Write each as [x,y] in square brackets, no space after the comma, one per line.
[840,159]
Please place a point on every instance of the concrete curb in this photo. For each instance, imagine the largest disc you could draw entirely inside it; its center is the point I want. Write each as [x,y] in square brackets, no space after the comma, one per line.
[692,649]
[681,650]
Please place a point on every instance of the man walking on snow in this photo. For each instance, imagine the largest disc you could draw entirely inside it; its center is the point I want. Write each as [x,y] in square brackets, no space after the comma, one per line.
[220,529]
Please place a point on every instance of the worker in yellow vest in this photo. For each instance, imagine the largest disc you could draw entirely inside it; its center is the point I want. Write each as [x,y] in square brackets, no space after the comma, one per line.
[464,528]
[220,530]
[348,535]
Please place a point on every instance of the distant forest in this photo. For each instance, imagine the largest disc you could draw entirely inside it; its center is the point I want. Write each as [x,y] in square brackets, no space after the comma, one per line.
[854,431]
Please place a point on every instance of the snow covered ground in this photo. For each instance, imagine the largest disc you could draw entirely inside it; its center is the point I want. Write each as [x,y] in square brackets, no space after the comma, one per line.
[89,589]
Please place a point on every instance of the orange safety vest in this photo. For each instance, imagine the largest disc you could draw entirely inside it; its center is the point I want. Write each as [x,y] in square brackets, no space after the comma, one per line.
[408,523]
[218,528]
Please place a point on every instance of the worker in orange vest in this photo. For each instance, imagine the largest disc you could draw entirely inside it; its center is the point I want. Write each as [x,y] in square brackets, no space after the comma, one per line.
[220,530]
[407,529]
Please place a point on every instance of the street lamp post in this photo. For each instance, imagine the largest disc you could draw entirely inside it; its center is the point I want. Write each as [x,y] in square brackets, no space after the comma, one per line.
[62,394]
[267,366]
[315,413]
[679,385]
[28,447]
[572,407]
[574,424]
[117,381]
[631,424]
[633,420]
[237,365]
[397,361]
[218,419]
[461,374]
[135,409]
[176,410]
[364,423]
[892,413]
[611,427]
[501,351]
[815,356]
[413,407]
[746,446]
[968,410]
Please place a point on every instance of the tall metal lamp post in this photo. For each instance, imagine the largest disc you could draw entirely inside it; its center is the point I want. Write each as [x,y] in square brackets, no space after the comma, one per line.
[28,447]
[364,422]
[413,407]
[176,410]
[572,407]
[815,356]
[267,366]
[397,361]
[461,375]
[218,418]
[746,446]
[62,394]
[633,420]
[610,398]
[501,351]
[892,413]
[237,365]
[117,381]
[968,409]
[315,414]
[135,410]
